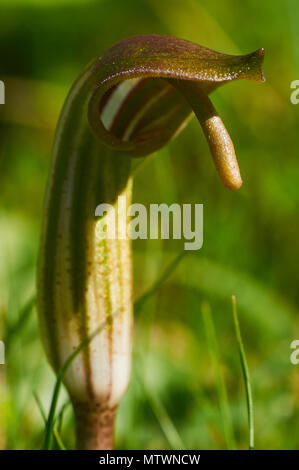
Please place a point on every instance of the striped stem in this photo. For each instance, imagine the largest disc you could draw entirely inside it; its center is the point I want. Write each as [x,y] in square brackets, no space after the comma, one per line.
[87,279]
[133,99]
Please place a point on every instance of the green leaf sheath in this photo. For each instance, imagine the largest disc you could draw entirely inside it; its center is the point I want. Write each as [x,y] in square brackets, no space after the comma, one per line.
[128,102]
[82,279]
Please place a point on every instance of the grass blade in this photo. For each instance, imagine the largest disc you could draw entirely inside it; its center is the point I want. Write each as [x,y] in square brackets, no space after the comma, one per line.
[221,388]
[58,440]
[246,375]
[61,416]
[43,414]
[23,317]
[171,434]
[155,286]
[40,406]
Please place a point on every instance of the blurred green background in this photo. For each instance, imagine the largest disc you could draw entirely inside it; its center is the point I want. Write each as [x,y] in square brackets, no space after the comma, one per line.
[250,236]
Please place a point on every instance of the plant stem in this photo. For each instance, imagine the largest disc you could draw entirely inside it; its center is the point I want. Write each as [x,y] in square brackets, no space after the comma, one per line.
[94,426]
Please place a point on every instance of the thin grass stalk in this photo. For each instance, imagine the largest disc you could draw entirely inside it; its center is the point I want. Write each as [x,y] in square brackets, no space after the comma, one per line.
[221,387]
[246,375]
